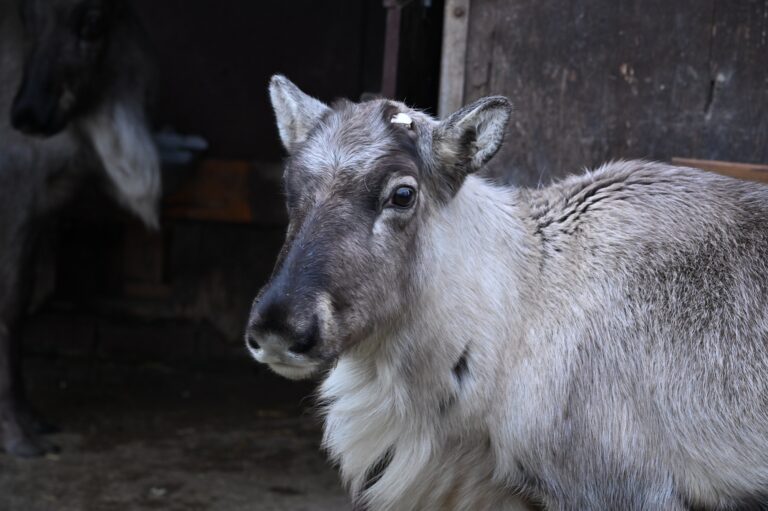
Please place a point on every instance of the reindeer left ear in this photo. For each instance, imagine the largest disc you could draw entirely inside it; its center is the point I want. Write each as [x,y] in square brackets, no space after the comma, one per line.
[470,137]
[296,112]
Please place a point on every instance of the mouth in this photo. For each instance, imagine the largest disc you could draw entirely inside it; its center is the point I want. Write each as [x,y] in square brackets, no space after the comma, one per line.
[288,365]
[294,372]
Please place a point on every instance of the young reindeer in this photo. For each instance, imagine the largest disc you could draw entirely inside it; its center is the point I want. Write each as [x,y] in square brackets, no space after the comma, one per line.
[73,79]
[601,343]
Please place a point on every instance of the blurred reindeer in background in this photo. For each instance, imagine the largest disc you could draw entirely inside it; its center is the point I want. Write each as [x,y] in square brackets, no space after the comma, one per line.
[73,81]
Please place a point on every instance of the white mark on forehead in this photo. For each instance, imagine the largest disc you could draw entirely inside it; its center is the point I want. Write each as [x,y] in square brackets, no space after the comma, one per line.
[402,118]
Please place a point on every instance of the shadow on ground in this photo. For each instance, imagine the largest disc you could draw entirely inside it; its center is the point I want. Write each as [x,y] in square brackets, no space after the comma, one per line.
[154,436]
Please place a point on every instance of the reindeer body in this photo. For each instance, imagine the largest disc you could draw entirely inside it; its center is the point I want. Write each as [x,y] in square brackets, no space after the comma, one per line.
[100,130]
[601,343]
[598,344]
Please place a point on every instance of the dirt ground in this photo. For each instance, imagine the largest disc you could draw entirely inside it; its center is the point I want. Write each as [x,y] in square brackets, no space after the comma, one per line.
[156,437]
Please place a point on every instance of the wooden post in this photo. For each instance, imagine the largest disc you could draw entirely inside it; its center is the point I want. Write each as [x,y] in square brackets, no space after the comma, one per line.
[391,49]
[453,59]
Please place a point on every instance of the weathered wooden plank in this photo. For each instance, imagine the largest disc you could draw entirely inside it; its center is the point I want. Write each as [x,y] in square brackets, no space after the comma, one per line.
[604,79]
[735,124]
[455,26]
[749,171]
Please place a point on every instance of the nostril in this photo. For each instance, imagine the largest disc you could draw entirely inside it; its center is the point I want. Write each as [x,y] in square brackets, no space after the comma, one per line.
[20,118]
[251,342]
[307,341]
[35,115]
[300,348]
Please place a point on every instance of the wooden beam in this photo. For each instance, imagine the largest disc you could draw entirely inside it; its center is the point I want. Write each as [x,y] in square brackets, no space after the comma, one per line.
[749,171]
[453,59]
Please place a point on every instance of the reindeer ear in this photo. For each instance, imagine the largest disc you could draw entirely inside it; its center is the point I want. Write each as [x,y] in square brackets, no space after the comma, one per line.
[296,112]
[469,138]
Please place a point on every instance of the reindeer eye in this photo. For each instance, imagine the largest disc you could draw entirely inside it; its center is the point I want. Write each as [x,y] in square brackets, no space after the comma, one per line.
[403,197]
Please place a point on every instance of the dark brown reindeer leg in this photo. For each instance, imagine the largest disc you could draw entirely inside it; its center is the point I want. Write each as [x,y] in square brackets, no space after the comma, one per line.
[18,439]
[16,423]
[29,417]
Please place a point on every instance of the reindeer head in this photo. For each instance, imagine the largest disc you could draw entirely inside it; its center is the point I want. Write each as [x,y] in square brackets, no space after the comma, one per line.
[361,179]
[64,71]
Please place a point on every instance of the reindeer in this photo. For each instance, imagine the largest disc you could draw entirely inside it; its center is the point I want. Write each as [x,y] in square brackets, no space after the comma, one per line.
[600,343]
[73,80]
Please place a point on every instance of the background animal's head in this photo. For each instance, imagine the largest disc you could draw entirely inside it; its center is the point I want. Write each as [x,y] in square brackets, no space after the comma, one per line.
[66,42]
[360,181]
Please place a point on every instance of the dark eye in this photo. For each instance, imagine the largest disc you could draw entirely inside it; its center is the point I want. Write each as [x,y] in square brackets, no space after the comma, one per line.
[403,197]
[92,25]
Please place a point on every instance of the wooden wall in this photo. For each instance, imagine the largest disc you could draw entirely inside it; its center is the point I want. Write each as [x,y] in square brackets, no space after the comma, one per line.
[594,80]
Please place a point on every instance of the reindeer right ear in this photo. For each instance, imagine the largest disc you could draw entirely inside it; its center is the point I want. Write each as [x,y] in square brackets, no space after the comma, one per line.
[469,138]
[296,112]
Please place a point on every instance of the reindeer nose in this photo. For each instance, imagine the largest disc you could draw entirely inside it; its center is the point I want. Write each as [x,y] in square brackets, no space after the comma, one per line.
[277,324]
[33,116]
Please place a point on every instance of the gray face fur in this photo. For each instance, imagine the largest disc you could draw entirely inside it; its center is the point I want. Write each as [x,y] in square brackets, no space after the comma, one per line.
[64,71]
[358,187]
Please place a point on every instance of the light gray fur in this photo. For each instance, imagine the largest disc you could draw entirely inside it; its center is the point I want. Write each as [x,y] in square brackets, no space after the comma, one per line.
[298,112]
[107,137]
[601,343]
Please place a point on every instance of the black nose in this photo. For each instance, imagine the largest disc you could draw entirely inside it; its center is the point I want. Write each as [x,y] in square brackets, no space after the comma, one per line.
[34,116]
[274,314]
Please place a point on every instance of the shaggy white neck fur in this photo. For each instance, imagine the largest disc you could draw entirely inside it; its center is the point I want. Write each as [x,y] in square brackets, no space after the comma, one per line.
[398,395]
[120,138]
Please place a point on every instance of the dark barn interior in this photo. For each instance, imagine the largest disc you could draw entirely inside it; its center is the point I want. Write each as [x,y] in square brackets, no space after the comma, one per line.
[133,346]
